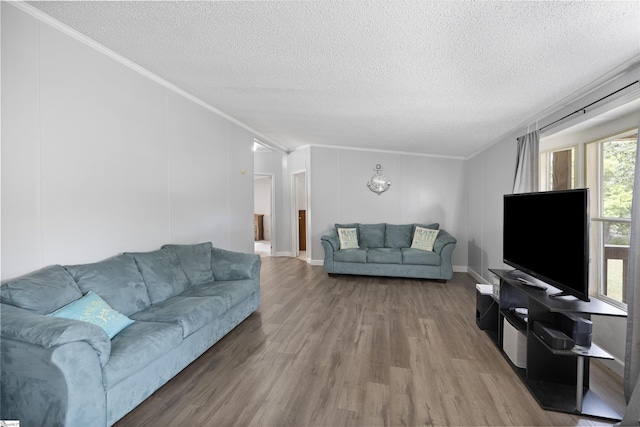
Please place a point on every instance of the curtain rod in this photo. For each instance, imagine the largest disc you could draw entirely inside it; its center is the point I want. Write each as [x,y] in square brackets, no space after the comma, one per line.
[587,106]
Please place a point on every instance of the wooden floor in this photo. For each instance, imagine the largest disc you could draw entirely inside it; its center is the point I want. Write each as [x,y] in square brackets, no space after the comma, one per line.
[360,351]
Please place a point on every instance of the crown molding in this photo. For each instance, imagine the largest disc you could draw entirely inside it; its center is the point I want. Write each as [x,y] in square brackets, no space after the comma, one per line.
[54,23]
[377,150]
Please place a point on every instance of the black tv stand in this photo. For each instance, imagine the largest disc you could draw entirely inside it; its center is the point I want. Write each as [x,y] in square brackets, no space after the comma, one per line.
[563,294]
[558,379]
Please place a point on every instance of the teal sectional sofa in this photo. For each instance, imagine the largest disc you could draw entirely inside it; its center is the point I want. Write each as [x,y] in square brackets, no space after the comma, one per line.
[174,303]
[385,250]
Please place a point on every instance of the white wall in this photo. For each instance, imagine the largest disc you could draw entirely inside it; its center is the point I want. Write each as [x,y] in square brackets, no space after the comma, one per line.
[489,177]
[98,159]
[423,190]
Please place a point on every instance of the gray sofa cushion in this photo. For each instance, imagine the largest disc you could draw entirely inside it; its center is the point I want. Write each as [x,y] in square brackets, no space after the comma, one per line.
[371,235]
[43,291]
[191,313]
[136,346]
[419,257]
[117,281]
[233,291]
[162,274]
[230,265]
[433,226]
[384,256]
[351,255]
[398,236]
[195,261]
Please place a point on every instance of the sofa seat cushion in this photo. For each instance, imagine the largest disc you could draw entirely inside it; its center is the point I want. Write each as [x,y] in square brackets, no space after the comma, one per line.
[191,313]
[233,291]
[162,274]
[384,256]
[117,281]
[42,291]
[419,257]
[136,346]
[351,255]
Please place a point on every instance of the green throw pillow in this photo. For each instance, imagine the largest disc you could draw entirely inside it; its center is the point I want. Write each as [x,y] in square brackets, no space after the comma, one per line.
[93,309]
[424,238]
[348,238]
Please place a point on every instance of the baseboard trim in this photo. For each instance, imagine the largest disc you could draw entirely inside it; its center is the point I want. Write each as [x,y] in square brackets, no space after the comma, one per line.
[615,365]
[476,276]
[289,254]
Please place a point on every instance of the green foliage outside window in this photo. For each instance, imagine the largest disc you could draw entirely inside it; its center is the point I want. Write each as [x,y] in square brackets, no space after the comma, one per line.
[618,163]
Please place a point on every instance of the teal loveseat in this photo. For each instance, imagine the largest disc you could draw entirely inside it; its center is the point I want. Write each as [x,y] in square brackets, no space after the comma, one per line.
[62,372]
[385,250]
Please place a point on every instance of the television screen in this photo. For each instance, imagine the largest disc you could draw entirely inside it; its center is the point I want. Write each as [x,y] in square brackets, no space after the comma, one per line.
[546,235]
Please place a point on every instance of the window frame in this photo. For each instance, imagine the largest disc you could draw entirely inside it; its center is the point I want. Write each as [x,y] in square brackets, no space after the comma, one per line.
[598,217]
[546,167]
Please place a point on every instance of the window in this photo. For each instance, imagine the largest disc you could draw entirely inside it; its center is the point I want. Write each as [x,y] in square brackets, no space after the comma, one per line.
[610,173]
[557,170]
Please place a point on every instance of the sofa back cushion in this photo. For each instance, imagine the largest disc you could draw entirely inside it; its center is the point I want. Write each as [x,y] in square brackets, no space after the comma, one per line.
[116,280]
[42,291]
[352,225]
[195,261]
[432,226]
[162,274]
[398,236]
[372,235]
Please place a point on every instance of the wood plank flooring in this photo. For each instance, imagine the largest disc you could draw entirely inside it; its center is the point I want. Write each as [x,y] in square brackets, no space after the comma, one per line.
[355,351]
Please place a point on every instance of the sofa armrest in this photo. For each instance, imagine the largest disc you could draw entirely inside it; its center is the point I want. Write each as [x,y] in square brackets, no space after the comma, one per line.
[443,239]
[61,386]
[332,238]
[49,332]
[230,265]
[51,370]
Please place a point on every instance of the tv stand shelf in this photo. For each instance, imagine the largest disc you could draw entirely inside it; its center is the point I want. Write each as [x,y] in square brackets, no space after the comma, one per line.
[558,379]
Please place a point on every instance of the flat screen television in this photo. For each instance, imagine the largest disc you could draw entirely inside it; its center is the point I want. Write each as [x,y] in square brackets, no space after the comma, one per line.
[546,236]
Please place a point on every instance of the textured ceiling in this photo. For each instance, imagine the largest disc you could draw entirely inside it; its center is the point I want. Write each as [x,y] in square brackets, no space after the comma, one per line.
[442,78]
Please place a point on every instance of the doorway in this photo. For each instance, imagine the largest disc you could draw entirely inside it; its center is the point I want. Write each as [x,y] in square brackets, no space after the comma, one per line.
[263,214]
[300,213]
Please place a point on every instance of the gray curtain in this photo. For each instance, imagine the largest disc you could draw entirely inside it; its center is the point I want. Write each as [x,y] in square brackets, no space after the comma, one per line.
[632,353]
[526,179]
